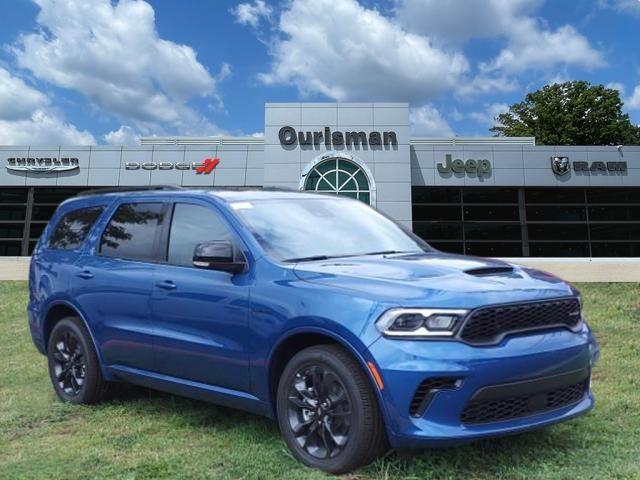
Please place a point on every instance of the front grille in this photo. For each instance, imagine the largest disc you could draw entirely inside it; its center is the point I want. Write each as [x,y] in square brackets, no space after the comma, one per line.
[426,390]
[487,406]
[490,324]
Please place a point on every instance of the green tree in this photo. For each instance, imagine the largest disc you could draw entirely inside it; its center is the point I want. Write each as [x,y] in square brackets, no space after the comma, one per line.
[570,113]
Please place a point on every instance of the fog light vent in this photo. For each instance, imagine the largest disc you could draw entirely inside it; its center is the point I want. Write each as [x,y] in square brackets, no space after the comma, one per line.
[427,390]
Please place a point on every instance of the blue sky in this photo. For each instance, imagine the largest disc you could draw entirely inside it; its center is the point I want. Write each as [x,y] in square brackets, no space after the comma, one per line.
[100,71]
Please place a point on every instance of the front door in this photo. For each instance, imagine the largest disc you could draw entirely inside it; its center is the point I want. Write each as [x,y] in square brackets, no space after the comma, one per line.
[200,317]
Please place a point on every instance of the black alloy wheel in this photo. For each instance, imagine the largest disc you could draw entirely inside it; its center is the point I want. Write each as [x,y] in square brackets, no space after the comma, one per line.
[319,411]
[328,412]
[68,364]
[73,363]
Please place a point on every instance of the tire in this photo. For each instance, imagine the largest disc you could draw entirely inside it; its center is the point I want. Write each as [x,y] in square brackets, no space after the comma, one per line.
[73,364]
[338,427]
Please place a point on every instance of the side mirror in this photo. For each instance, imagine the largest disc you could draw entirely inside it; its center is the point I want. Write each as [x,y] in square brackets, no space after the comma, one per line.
[217,255]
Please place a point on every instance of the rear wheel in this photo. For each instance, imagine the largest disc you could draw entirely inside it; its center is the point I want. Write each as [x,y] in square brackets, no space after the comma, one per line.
[328,412]
[73,363]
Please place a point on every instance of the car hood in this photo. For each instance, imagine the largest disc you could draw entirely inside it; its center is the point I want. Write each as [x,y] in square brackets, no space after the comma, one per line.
[434,279]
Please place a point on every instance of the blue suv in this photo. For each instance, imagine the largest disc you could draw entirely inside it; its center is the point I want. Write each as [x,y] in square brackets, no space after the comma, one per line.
[313,310]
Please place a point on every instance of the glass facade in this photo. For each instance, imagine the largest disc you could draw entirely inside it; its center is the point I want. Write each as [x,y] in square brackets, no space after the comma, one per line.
[530,222]
[485,221]
[24,212]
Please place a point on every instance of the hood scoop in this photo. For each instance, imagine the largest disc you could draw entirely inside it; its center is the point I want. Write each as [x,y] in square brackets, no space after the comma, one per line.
[485,271]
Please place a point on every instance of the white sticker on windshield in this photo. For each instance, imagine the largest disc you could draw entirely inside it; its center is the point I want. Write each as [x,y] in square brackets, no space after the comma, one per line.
[241,205]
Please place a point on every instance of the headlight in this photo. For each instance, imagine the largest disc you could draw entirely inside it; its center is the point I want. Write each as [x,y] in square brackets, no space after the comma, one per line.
[420,322]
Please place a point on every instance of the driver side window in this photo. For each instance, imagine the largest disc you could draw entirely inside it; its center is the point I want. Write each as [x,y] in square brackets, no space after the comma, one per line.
[191,225]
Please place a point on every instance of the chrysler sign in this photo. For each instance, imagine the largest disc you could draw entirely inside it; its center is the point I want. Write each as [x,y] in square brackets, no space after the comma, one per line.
[42,164]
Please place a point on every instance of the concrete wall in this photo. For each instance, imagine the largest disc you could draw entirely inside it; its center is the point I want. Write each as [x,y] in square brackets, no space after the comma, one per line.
[390,167]
[523,165]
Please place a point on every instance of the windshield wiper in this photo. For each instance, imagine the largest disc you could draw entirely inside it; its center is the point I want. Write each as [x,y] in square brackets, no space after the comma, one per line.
[385,252]
[308,259]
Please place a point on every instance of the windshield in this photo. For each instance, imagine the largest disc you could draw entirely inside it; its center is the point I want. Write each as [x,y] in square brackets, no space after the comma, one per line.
[319,228]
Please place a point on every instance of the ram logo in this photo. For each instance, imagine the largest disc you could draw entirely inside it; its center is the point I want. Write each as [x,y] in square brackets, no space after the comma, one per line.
[560,165]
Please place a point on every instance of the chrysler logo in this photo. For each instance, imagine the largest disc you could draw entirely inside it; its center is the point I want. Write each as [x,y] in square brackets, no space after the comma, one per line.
[560,165]
[42,164]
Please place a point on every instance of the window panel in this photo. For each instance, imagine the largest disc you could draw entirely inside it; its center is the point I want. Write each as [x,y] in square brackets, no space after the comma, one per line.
[11,230]
[612,231]
[492,231]
[559,249]
[554,195]
[608,214]
[614,195]
[43,212]
[10,249]
[12,212]
[132,230]
[73,228]
[450,247]
[191,225]
[557,231]
[500,249]
[491,212]
[490,195]
[604,249]
[54,195]
[13,195]
[557,213]
[437,212]
[435,195]
[438,230]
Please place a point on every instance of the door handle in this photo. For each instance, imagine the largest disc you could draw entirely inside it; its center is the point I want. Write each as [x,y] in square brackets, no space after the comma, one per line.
[86,274]
[167,285]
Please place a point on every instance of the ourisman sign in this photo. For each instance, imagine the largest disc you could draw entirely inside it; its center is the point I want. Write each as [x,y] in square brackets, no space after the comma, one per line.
[289,136]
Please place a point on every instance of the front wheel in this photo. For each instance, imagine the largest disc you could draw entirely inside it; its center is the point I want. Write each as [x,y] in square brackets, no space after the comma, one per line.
[328,412]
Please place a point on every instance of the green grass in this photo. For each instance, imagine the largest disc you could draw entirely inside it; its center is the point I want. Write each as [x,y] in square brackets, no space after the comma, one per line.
[152,435]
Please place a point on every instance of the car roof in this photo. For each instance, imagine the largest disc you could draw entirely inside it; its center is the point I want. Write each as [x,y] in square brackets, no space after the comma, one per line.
[228,195]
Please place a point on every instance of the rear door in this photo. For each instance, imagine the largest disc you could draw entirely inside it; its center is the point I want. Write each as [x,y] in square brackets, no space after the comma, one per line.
[200,316]
[114,282]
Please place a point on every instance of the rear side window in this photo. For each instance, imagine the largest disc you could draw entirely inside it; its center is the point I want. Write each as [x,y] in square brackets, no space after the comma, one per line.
[132,231]
[73,228]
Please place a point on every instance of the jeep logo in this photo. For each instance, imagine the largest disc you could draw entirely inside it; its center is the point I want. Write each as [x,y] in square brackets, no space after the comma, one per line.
[470,166]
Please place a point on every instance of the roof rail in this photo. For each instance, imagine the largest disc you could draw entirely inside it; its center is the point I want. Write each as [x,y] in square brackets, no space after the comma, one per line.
[99,191]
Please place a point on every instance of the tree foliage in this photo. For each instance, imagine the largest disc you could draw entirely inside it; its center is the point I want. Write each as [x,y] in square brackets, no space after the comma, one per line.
[570,113]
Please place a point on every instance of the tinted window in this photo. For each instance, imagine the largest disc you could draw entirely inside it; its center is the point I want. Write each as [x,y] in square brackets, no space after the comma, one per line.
[491,212]
[438,230]
[436,212]
[492,231]
[191,225]
[73,228]
[554,195]
[490,195]
[132,231]
[13,195]
[435,195]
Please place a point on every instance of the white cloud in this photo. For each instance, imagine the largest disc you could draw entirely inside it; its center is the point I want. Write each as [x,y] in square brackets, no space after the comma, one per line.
[357,53]
[616,86]
[125,135]
[530,44]
[488,117]
[113,55]
[459,21]
[529,47]
[17,99]
[26,117]
[427,121]
[42,128]
[633,102]
[624,6]
[251,14]
[483,84]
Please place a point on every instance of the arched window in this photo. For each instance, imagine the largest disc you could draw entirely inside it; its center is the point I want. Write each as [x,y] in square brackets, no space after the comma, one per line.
[339,176]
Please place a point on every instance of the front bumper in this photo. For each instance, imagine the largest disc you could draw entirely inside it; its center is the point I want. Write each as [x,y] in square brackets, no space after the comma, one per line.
[405,364]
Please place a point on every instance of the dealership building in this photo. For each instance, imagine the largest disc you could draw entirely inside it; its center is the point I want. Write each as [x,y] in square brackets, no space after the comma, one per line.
[503,197]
